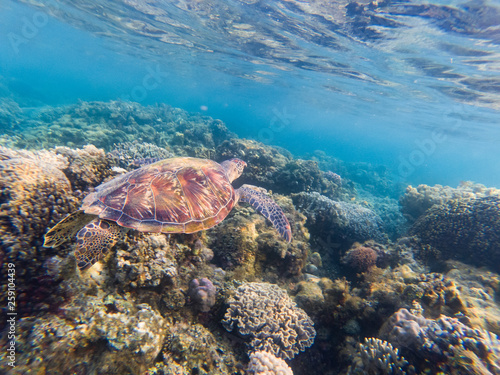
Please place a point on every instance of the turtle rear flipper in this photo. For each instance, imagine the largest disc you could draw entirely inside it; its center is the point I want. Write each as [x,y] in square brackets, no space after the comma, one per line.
[94,240]
[67,228]
[266,206]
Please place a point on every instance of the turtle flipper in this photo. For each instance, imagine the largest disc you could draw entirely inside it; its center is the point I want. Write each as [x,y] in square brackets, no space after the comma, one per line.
[67,228]
[94,239]
[265,205]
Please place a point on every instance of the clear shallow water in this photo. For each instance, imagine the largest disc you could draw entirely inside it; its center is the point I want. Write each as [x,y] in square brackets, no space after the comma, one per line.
[411,85]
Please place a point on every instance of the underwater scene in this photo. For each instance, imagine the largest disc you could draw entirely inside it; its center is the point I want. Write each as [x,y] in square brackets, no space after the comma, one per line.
[250,187]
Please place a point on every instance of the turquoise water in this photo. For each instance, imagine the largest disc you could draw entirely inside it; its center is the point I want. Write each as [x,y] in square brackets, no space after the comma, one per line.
[120,253]
[362,83]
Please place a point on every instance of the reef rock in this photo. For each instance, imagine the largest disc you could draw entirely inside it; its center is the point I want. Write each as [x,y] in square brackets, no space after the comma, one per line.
[266,313]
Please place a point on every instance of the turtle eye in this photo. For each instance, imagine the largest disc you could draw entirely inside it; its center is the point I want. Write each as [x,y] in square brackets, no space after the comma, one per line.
[240,164]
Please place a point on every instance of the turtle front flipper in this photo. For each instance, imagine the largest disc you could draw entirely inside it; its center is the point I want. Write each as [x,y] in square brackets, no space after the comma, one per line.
[94,239]
[67,228]
[265,205]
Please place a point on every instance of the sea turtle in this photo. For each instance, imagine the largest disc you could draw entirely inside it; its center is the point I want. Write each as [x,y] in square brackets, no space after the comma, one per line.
[176,195]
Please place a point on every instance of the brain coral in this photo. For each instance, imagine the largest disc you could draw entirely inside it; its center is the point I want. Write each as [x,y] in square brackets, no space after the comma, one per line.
[267,314]
[464,229]
[264,363]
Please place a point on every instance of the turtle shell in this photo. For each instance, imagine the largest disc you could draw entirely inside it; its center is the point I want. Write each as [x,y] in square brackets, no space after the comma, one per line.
[177,195]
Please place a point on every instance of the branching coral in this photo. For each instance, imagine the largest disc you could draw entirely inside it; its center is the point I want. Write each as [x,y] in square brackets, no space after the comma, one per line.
[378,357]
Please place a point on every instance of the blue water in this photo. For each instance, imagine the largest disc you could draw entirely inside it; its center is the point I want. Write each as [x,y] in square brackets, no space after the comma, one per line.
[413,85]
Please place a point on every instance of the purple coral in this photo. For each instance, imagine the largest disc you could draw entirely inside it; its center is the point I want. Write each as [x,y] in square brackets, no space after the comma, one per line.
[442,339]
[202,292]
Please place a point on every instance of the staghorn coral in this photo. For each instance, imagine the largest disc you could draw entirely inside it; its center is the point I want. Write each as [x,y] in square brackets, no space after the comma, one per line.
[378,357]
[417,200]
[440,340]
[467,230]
[264,363]
[266,313]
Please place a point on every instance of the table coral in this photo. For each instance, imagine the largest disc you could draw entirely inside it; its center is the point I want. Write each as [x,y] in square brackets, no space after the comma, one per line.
[266,313]
[264,363]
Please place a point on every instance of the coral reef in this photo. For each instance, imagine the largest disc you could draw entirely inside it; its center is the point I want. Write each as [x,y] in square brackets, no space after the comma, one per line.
[193,349]
[463,229]
[125,155]
[88,167]
[147,261]
[443,339]
[264,363]
[376,356]
[266,313]
[105,124]
[90,335]
[417,200]
[35,194]
[202,292]
[270,168]
[479,291]
[246,240]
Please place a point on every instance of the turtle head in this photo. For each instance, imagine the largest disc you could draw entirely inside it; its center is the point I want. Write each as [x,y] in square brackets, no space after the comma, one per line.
[234,168]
